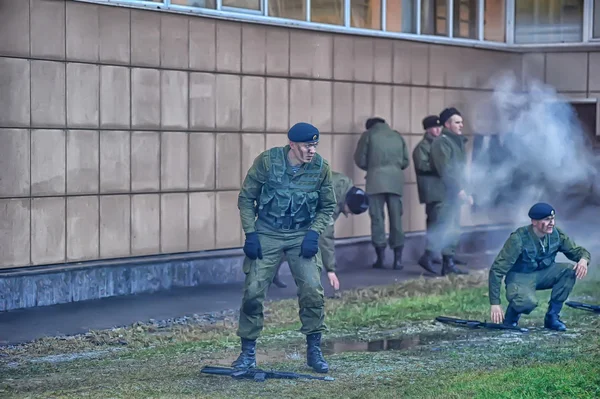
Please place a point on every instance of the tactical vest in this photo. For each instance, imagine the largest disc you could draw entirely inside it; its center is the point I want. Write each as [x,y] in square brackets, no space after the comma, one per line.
[532,257]
[289,202]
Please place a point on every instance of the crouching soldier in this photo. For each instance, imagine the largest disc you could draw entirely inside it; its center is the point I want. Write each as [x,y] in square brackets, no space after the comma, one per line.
[528,262]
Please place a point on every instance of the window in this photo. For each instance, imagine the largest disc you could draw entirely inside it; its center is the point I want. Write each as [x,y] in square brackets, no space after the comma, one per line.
[290,9]
[434,17]
[400,16]
[494,20]
[596,26]
[327,11]
[247,4]
[464,19]
[193,3]
[365,14]
[548,21]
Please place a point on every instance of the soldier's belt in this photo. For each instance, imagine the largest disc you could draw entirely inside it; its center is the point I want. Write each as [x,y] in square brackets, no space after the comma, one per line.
[285,223]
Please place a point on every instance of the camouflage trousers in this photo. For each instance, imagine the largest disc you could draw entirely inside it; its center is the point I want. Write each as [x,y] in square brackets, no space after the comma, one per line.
[432,210]
[259,276]
[446,231]
[521,287]
[395,211]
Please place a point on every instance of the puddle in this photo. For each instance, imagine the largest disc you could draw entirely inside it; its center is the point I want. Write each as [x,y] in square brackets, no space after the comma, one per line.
[388,344]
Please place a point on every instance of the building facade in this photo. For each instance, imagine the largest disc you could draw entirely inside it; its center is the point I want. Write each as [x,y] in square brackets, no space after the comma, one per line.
[126,127]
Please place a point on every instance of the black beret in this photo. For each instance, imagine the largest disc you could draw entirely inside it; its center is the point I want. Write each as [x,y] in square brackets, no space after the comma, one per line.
[357,200]
[540,211]
[373,121]
[431,121]
[303,132]
[447,114]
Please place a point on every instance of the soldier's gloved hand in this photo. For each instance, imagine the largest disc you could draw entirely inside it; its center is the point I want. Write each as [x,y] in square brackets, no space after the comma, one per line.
[310,244]
[252,247]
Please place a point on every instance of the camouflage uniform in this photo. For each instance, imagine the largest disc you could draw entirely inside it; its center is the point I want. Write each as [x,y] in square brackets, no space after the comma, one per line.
[382,152]
[528,262]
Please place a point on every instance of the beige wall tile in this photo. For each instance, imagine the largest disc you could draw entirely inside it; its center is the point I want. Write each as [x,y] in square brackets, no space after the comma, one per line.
[575,63]
[229,47]
[15,234]
[277,108]
[145,161]
[401,64]
[383,60]
[115,97]
[82,228]
[420,64]
[48,94]
[409,173]
[418,104]
[594,71]
[344,227]
[438,64]
[254,44]
[115,225]
[174,45]
[202,209]
[83,31]
[202,161]
[48,230]
[48,162]
[342,160]
[228,105]
[114,30]
[83,93]
[276,140]
[14,28]
[145,224]
[47,28]
[203,44]
[325,148]
[115,161]
[361,225]
[253,103]
[145,98]
[278,50]
[343,57]
[533,66]
[363,106]
[15,105]
[173,222]
[229,226]
[437,102]
[145,38]
[174,160]
[174,99]
[343,107]
[228,160]
[401,111]
[82,162]
[363,59]
[14,162]
[252,146]
[321,95]
[202,100]
[300,101]
[382,102]
[311,54]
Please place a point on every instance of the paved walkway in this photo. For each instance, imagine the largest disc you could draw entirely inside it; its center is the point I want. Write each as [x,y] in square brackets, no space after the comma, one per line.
[25,325]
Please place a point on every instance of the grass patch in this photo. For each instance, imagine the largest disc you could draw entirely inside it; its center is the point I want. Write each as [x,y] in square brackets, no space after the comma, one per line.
[143,361]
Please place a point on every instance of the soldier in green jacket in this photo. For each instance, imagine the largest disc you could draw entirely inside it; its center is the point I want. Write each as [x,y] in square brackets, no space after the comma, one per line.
[449,159]
[430,187]
[350,200]
[286,202]
[527,259]
[383,154]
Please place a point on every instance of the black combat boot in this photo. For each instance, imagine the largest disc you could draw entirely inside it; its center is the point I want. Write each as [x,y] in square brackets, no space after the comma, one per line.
[398,258]
[511,318]
[380,258]
[314,356]
[426,262]
[448,266]
[552,321]
[246,359]
[277,281]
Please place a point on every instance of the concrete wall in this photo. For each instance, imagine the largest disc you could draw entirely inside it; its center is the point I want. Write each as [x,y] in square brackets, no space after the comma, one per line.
[127,132]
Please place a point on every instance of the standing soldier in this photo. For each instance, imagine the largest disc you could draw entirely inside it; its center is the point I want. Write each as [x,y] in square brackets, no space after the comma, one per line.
[382,153]
[350,200]
[430,187]
[449,158]
[527,259]
[286,202]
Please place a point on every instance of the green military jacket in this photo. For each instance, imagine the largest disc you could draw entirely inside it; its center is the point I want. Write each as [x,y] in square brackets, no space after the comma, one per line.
[524,252]
[272,192]
[429,184]
[341,184]
[449,159]
[383,154]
